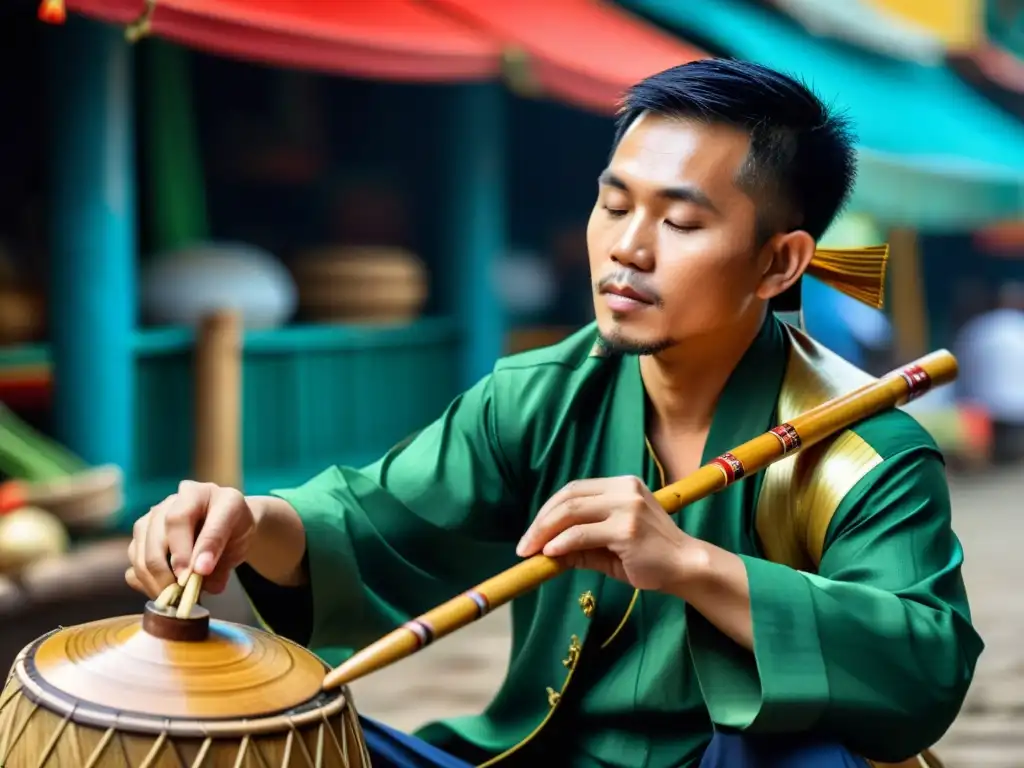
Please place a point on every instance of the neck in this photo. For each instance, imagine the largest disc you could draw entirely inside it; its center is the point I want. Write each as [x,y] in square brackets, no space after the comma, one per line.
[685,382]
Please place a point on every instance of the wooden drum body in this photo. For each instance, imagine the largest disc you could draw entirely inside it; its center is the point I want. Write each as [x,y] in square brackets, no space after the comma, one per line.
[160,693]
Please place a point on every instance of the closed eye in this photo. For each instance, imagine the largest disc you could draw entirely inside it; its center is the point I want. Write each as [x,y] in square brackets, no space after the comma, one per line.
[684,227]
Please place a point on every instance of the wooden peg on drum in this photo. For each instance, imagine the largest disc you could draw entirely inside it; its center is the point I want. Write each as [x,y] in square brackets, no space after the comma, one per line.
[174,687]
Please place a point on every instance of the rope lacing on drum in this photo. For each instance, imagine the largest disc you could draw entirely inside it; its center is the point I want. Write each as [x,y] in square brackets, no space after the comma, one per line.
[11,738]
[350,711]
[52,743]
[294,736]
[76,748]
[10,690]
[97,753]
[176,749]
[120,739]
[326,725]
[203,750]
[320,746]
[154,751]
[243,751]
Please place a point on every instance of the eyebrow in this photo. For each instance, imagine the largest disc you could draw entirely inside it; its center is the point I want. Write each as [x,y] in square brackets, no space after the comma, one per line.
[685,193]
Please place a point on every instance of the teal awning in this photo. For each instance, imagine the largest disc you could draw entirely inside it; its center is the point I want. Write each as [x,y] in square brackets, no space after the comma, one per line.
[934,154]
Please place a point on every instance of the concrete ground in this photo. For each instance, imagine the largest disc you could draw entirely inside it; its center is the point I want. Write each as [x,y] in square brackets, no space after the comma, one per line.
[461,673]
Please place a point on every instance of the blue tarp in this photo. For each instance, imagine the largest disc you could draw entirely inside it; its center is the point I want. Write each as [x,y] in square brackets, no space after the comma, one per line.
[934,153]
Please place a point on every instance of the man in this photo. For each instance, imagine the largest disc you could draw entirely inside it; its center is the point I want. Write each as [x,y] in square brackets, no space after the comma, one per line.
[725,635]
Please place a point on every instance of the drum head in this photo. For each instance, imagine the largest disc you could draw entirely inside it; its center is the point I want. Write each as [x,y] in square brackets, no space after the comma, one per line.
[228,671]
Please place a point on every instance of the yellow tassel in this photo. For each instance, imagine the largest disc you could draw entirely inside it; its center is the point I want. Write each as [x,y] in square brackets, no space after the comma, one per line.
[857,272]
[52,11]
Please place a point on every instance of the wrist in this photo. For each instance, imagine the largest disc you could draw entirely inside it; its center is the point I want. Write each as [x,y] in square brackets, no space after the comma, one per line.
[278,546]
[713,581]
[260,507]
[692,568]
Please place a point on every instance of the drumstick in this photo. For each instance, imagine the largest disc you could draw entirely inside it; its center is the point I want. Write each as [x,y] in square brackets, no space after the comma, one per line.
[168,597]
[172,592]
[190,595]
[805,430]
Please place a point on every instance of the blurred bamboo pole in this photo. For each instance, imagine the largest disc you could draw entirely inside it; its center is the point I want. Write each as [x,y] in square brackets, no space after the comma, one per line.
[218,400]
[907,295]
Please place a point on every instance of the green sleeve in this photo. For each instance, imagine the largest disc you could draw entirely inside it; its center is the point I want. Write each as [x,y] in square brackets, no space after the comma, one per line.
[877,649]
[435,516]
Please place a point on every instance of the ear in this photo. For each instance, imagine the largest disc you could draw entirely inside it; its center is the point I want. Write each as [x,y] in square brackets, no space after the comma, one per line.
[785,258]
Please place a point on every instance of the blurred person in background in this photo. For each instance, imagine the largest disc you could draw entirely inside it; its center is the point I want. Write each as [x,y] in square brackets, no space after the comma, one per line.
[831,632]
[990,349]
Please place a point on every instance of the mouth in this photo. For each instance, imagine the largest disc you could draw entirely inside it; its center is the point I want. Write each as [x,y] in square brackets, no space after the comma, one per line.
[625,292]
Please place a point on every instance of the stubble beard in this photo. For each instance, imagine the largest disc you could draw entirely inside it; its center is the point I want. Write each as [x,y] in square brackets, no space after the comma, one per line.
[615,343]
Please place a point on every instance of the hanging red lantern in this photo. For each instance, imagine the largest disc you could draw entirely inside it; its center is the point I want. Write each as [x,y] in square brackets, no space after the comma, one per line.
[52,11]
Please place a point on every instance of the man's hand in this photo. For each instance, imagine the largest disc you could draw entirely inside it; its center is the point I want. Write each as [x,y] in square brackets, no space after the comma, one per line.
[616,526]
[202,526]
[212,530]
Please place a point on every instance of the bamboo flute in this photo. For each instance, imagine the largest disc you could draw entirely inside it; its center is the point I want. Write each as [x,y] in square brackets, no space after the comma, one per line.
[890,391]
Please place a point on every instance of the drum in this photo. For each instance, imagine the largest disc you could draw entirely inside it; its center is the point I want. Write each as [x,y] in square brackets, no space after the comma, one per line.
[156,691]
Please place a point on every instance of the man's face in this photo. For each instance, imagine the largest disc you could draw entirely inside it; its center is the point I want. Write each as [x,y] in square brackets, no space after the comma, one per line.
[672,237]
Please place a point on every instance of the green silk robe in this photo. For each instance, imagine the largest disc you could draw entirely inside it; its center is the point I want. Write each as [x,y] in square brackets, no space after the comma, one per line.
[862,630]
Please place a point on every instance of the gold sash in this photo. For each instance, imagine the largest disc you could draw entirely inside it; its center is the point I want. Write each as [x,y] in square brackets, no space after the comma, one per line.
[800,495]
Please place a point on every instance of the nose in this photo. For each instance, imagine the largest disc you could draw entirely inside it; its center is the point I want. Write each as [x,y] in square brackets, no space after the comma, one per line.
[634,246]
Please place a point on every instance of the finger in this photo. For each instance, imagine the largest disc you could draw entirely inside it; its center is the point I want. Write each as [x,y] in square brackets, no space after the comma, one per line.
[184,512]
[134,582]
[575,510]
[225,513]
[580,538]
[137,554]
[593,560]
[217,581]
[135,559]
[237,547]
[154,554]
[588,487]
[234,554]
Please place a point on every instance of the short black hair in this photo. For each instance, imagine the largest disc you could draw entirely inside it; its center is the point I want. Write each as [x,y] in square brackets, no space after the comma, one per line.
[802,162]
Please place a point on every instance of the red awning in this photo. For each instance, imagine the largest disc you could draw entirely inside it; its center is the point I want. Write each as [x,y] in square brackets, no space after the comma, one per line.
[382,39]
[587,52]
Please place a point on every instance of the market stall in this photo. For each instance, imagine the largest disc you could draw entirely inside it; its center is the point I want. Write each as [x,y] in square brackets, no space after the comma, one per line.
[123,385]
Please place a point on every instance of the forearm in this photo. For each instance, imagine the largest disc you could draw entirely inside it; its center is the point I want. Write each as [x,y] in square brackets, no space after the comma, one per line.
[278,547]
[714,582]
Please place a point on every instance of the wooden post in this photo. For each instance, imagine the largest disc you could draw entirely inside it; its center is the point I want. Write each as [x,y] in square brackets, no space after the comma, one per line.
[218,414]
[906,295]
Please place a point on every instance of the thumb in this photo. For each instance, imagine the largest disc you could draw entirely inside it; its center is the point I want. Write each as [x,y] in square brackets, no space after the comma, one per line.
[217,531]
